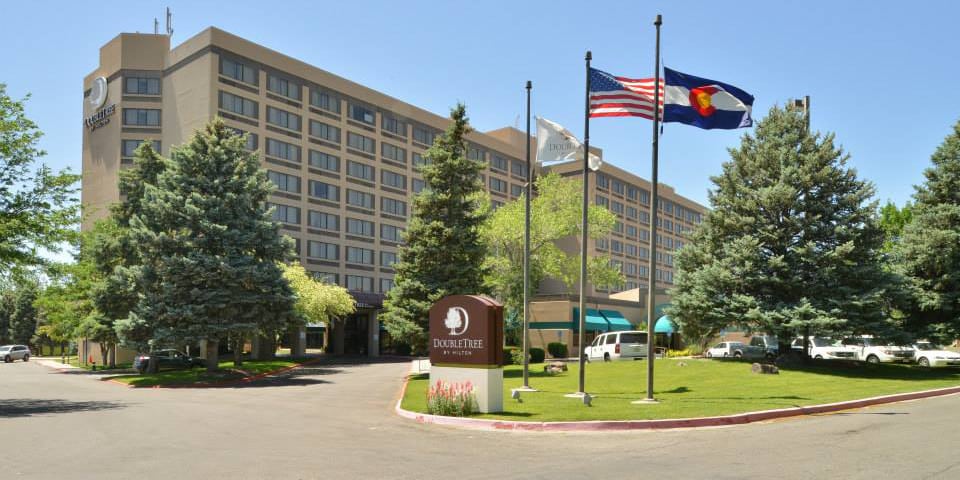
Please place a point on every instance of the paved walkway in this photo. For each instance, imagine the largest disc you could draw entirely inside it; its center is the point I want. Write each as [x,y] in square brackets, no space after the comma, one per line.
[334,420]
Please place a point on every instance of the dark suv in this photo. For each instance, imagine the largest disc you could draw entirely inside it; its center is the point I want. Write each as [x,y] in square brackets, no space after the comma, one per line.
[170,358]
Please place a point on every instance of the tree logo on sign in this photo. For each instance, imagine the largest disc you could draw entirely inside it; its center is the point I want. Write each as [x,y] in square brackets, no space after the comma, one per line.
[457,321]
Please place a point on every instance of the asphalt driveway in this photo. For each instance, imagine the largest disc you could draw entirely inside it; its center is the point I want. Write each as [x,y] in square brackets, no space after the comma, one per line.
[335,420]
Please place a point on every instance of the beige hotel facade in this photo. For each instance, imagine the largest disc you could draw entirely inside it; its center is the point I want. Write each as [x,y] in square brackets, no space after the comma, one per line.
[344,158]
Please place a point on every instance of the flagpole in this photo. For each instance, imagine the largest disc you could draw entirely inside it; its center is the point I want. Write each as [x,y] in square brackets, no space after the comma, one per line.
[584,225]
[654,199]
[526,258]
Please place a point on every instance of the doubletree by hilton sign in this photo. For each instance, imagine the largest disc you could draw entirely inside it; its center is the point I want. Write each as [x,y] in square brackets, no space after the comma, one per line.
[466,330]
[96,99]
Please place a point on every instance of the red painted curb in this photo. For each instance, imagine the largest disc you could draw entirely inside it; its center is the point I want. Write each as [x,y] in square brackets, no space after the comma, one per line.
[607,425]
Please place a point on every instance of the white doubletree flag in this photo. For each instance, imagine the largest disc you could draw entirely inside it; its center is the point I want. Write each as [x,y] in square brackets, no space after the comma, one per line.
[555,144]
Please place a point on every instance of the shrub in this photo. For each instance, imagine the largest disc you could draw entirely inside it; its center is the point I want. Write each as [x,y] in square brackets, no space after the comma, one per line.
[512,356]
[686,352]
[537,355]
[557,349]
[451,399]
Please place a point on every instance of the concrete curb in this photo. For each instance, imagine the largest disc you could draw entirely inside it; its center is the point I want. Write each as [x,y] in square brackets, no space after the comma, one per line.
[608,425]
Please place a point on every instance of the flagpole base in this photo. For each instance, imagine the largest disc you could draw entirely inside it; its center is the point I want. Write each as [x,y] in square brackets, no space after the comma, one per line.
[646,401]
[577,395]
[526,389]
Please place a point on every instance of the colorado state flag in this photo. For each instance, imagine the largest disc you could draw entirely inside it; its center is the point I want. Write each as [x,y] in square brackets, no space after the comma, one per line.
[704,103]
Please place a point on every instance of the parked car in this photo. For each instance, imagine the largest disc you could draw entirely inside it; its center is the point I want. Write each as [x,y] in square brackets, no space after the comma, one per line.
[10,353]
[823,348]
[761,346]
[932,355]
[868,349]
[169,358]
[629,345]
[726,349]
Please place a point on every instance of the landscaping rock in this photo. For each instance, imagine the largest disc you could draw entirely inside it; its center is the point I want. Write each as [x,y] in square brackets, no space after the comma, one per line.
[555,367]
[765,368]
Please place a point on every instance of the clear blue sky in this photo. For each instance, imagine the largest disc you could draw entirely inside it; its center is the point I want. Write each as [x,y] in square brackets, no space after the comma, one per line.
[882,75]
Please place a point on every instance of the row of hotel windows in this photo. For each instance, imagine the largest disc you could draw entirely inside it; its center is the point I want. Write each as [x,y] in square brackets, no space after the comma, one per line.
[330,102]
[327,221]
[644,217]
[633,250]
[643,196]
[356,283]
[358,255]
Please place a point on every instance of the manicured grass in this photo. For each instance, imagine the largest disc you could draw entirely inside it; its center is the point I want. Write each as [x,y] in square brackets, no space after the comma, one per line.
[701,388]
[199,376]
[75,361]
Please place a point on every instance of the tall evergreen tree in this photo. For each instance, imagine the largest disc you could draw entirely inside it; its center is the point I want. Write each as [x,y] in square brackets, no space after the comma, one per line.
[791,245]
[443,253]
[929,251]
[212,245]
[6,312]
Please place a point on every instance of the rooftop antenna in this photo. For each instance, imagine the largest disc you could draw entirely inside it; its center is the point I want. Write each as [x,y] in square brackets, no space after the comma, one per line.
[169,22]
[156,26]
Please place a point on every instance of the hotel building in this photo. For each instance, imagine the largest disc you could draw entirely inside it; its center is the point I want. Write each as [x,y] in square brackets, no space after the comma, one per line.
[344,159]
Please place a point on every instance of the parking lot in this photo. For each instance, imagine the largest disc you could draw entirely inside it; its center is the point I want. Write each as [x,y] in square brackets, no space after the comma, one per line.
[335,420]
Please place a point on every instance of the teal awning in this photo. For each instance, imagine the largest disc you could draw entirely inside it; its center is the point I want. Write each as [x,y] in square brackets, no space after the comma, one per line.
[593,321]
[617,321]
[665,325]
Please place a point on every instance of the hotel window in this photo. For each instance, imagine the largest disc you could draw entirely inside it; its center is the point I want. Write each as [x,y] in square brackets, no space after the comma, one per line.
[283,150]
[603,181]
[644,271]
[393,152]
[645,217]
[326,277]
[516,190]
[394,180]
[239,71]
[668,207]
[644,235]
[678,229]
[498,185]
[419,160]
[326,251]
[359,283]
[630,249]
[239,105]
[422,135]
[602,201]
[286,213]
[393,206]
[128,148]
[518,168]
[498,163]
[360,255]
[324,191]
[283,118]
[632,212]
[387,259]
[618,186]
[360,199]
[644,252]
[632,231]
[644,197]
[418,185]
[141,117]
[618,227]
[668,225]
[474,153]
[630,269]
[602,243]
[390,233]
[324,161]
[284,182]
[632,193]
[324,100]
[616,246]
[359,170]
[393,125]
[359,227]
[386,284]
[284,87]
[323,221]
[324,131]
[141,86]
[360,142]
[362,114]
[616,207]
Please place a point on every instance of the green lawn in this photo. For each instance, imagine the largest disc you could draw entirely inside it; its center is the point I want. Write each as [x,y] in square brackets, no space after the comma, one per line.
[199,376]
[699,389]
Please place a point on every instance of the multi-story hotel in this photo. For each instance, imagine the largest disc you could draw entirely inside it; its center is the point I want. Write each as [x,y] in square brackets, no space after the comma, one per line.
[344,158]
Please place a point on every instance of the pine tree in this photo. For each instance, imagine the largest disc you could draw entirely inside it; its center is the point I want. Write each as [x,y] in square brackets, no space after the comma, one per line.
[928,253]
[791,245]
[211,247]
[443,253]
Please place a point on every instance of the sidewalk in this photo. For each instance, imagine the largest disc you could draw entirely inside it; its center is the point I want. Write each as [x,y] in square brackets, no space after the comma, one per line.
[49,362]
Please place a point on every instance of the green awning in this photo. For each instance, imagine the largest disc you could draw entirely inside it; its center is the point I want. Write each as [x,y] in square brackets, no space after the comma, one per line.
[617,321]
[593,320]
[665,325]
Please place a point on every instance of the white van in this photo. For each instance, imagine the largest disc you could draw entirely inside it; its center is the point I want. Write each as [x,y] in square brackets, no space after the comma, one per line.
[629,345]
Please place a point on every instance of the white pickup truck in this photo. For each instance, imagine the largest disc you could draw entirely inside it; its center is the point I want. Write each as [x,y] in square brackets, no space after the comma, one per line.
[867,349]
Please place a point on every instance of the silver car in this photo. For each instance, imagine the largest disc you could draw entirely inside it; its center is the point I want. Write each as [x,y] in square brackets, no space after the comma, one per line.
[10,353]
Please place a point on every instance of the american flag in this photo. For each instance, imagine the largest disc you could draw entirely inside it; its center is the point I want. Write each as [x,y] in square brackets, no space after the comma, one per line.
[612,96]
